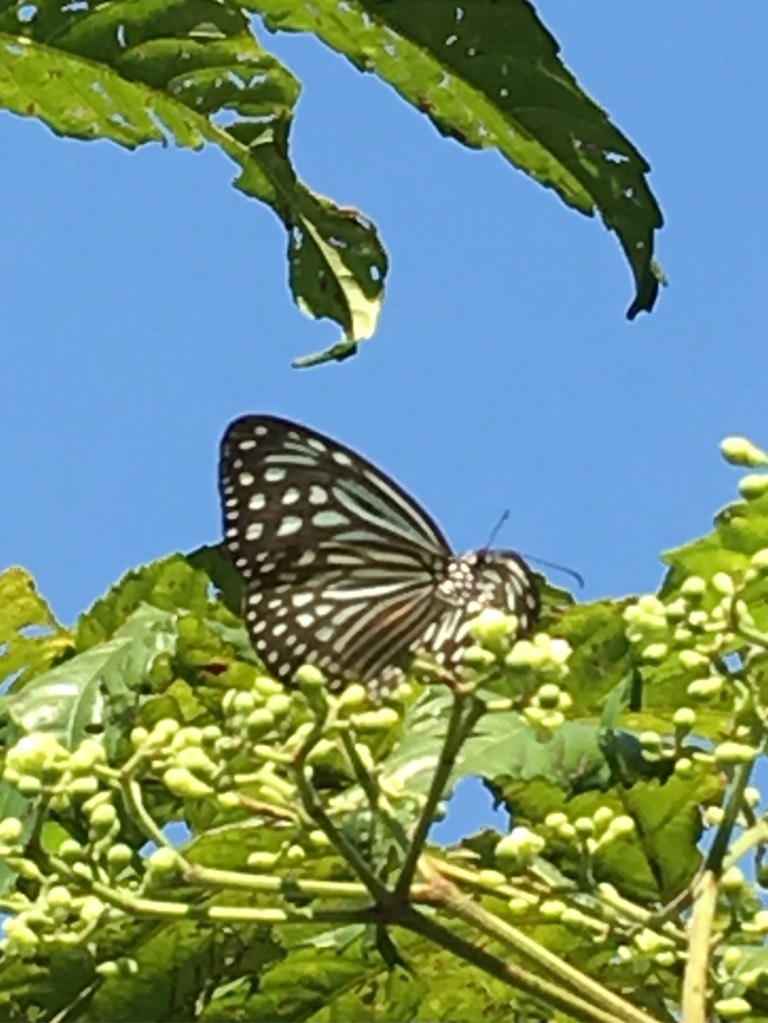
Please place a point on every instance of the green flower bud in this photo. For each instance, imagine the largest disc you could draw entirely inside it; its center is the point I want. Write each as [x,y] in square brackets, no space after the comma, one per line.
[139,736]
[103,817]
[190,737]
[555,820]
[684,719]
[548,696]
[109,968]
[620,827]
[164,861]
[732,880]
[319,839]
[676,610]
[723,583]
[732,956]
[584,826]
[259,722]
[603,816]
[734,753]
[491,878]
[759,560]
[262,860]
[741,451]
[478,657]
[705,688]
[119,855]
[86,786]
[295,855]
[309,677]
[87,755]
[279,705]
[519,844]
[196,761]
[59,897]
[694,586]
[693,659]
[266,686]
[11,830]
[753,486]
[182,783]
[70,850]
[552,909]
[518,906]
[35,752]
[654,652]
[375,720]
[243,703]
[491,627]
[19,934]
[29,785]
[91,909]
[732,1008]
[524,655]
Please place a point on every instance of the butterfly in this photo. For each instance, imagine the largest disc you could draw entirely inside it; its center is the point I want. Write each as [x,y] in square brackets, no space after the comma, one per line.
[342,568]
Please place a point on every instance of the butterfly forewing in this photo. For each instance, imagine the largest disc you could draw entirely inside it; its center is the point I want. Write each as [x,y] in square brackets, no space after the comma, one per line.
[341,567]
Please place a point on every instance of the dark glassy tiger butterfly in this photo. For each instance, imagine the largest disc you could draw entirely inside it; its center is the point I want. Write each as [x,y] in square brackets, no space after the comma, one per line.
[342,568]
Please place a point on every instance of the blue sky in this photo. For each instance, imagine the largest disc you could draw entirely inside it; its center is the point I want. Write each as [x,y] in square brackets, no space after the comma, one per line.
[145,305]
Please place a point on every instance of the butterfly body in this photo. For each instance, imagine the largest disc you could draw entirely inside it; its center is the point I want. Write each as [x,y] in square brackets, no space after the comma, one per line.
[342,568]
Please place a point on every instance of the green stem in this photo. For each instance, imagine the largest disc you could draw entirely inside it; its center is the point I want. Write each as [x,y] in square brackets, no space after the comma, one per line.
[316,811]
[267,883]
[134,802]
[456,903]
[509,973]
[465,713]
[372,792]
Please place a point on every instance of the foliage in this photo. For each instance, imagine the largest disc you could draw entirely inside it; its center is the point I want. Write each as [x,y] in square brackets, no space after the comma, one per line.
[193,72]
[183,838]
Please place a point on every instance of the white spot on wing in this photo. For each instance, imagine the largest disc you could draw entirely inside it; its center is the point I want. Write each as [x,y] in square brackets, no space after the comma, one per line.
[291,496]
[317,494]
[290,524]
[247,479]
[256,502]
[254,531]
[274,474]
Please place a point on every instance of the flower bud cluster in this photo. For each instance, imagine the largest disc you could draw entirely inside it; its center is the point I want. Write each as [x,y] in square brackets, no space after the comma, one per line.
[547,707]
[57,917]
[519,847]
[39,763]
[591,833]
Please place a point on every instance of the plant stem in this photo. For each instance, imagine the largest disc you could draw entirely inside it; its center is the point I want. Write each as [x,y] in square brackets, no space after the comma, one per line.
[465,712]
[452,900]
[511,974]
[695,981]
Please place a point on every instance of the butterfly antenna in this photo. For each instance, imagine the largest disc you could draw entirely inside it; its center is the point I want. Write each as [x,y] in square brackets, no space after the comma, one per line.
[577,576]
[497,529]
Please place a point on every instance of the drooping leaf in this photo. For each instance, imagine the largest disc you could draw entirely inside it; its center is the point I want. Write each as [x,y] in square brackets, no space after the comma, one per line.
[191,72]
[489,75]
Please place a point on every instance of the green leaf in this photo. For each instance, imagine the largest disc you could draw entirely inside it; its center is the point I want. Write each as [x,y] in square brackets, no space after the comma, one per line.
[489,75]
[170,584]
[191,72]
[30,637]
[98,689]
[741,530]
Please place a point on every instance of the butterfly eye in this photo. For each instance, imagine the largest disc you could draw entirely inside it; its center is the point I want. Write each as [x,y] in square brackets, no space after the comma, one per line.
[342,568]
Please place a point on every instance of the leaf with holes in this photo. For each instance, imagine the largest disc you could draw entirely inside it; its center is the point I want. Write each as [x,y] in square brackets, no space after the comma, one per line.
[191,72]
